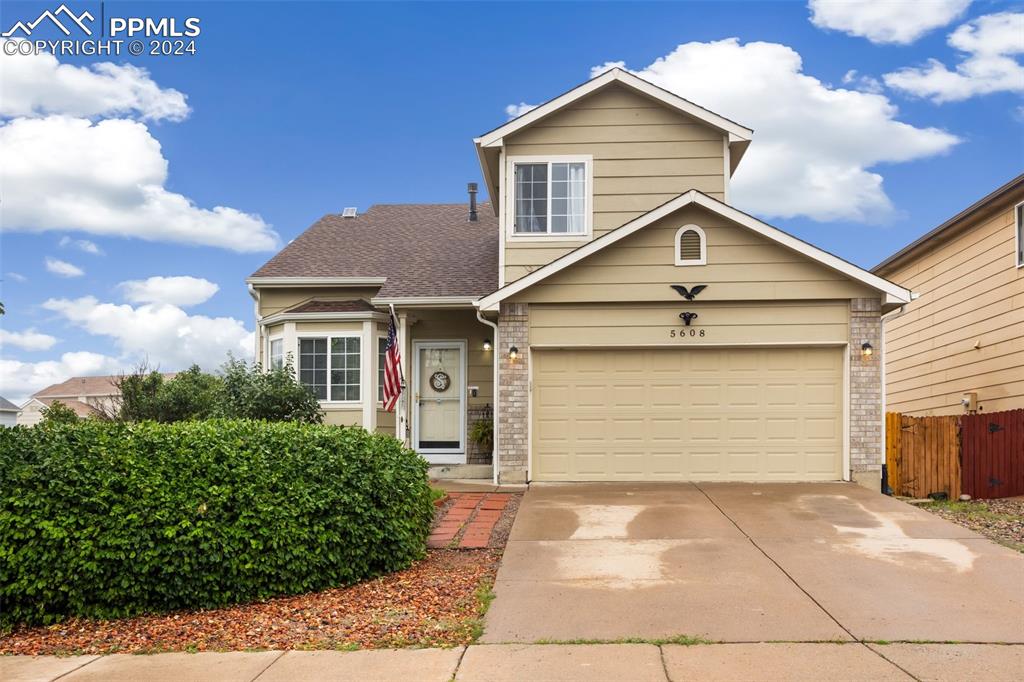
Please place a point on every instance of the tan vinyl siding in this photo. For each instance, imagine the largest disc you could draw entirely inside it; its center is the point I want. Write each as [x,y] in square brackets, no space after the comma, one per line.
[642,324]
[386,422]
[275,300]
[343,416]
[965,332]
[644,155]
[742,266]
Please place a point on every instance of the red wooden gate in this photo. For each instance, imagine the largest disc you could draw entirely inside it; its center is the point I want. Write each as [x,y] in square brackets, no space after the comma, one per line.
[993,454]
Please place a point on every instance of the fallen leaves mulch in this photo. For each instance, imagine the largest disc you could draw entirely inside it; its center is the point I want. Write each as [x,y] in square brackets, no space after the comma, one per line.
[999,520]
[436,602]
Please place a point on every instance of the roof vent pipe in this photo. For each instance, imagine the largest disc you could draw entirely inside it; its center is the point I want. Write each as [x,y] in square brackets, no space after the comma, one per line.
[472,201]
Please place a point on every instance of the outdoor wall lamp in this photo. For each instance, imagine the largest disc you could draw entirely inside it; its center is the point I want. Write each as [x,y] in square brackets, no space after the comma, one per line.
[513,353]
[866,350]
[487,344]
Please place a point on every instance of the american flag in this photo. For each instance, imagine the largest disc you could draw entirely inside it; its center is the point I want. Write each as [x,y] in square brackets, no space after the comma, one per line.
[392,367]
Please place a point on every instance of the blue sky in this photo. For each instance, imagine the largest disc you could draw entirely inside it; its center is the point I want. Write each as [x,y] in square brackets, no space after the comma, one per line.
[300,109]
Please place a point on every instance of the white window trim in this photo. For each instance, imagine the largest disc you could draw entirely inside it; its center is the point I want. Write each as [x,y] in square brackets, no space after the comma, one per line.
[588,197]
[329,336]
[270,357]
[703,246]
[1018,227]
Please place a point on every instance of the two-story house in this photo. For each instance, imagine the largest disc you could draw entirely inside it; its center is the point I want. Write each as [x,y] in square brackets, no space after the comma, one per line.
[621,318]
[959,346]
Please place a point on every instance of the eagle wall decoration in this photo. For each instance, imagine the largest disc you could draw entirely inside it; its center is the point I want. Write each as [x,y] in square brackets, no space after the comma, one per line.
[688,294]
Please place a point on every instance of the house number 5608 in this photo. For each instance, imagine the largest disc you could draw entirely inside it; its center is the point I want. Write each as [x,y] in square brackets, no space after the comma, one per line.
[683,333]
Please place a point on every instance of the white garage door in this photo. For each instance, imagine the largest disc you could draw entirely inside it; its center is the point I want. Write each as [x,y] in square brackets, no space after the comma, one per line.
[688,414]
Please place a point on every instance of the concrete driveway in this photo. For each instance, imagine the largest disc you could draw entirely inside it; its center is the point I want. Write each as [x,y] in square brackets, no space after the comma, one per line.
[748,563]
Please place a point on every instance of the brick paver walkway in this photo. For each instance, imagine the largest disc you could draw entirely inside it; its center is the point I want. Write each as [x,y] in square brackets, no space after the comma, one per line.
[470,518]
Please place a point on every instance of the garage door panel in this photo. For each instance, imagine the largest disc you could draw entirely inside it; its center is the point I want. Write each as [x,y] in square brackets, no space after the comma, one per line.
[688,414]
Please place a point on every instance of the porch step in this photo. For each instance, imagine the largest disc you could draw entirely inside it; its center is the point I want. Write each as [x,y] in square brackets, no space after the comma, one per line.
[448,471]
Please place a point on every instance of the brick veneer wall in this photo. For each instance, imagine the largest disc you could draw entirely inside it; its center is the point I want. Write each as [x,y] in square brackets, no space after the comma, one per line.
[513,406]
[866,437]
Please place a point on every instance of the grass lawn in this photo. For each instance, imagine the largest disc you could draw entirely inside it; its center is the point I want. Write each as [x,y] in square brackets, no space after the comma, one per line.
[999,520]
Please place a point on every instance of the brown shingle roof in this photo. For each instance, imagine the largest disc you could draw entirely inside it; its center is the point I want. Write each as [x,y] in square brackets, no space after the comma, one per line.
[422,249]
[79,408]
[76,386]
[317,306]
[83,386]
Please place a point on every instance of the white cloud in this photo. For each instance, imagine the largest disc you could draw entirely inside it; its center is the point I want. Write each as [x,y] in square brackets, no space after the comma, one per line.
[814,144]
[990,44]
[82,245]
[39,85]
[862,82]
[107,178]
[19,380]
[29,339]
[179,291]
[17,277]
[885,21]
[63,268]
[517,110]
[164,335]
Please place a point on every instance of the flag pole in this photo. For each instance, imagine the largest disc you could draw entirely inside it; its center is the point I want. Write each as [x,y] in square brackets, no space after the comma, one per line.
[402,422]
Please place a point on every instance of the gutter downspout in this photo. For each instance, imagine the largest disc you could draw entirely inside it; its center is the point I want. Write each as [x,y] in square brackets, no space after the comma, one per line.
[259,334]
[495,360]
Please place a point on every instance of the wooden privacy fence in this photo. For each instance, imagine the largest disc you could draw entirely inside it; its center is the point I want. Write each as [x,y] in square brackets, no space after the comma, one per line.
[993,454]
[922,455]
[978,454]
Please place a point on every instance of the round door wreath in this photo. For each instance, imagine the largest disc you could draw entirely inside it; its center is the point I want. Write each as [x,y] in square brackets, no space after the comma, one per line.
[440,381]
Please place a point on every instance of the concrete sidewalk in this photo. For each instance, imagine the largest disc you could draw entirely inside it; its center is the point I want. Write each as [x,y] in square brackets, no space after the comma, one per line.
[507,662]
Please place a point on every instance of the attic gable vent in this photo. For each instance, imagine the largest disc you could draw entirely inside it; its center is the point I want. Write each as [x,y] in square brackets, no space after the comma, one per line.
[349,212]
[691,246]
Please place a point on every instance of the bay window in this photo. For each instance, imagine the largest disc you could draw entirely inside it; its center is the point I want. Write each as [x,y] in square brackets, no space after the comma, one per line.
[550,197]
[331,367]
[276,353]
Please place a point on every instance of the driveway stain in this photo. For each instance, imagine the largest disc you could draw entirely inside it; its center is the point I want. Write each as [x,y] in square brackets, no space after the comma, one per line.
[597,521]
[879,536]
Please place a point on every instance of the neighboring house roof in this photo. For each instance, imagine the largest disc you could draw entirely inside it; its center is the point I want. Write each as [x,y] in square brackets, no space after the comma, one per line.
[80,386]
[895,294]
[79,408]
[423,250]
[318,306]
[7,406]
[950,228]
[86,386]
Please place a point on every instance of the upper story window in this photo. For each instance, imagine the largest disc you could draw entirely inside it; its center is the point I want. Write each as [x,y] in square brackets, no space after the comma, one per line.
[691,246]
[330,367]
[550,197]
[1019,212]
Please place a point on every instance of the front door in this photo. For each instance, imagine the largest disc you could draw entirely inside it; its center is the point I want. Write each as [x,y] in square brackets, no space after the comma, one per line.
[439,426]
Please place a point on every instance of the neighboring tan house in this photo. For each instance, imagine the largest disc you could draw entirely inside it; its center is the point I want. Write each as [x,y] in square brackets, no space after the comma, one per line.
[636,325]
[8,412]
[959,345]
[87,396]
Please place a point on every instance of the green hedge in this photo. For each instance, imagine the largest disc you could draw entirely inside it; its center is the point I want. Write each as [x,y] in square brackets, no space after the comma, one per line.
[106,520]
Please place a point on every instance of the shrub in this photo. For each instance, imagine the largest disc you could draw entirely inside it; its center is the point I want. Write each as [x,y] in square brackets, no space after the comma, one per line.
[251,393]
[243,391]
[112,519]
[58,413]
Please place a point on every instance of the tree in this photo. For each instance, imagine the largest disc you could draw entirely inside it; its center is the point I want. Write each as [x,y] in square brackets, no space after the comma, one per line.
[58,413]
